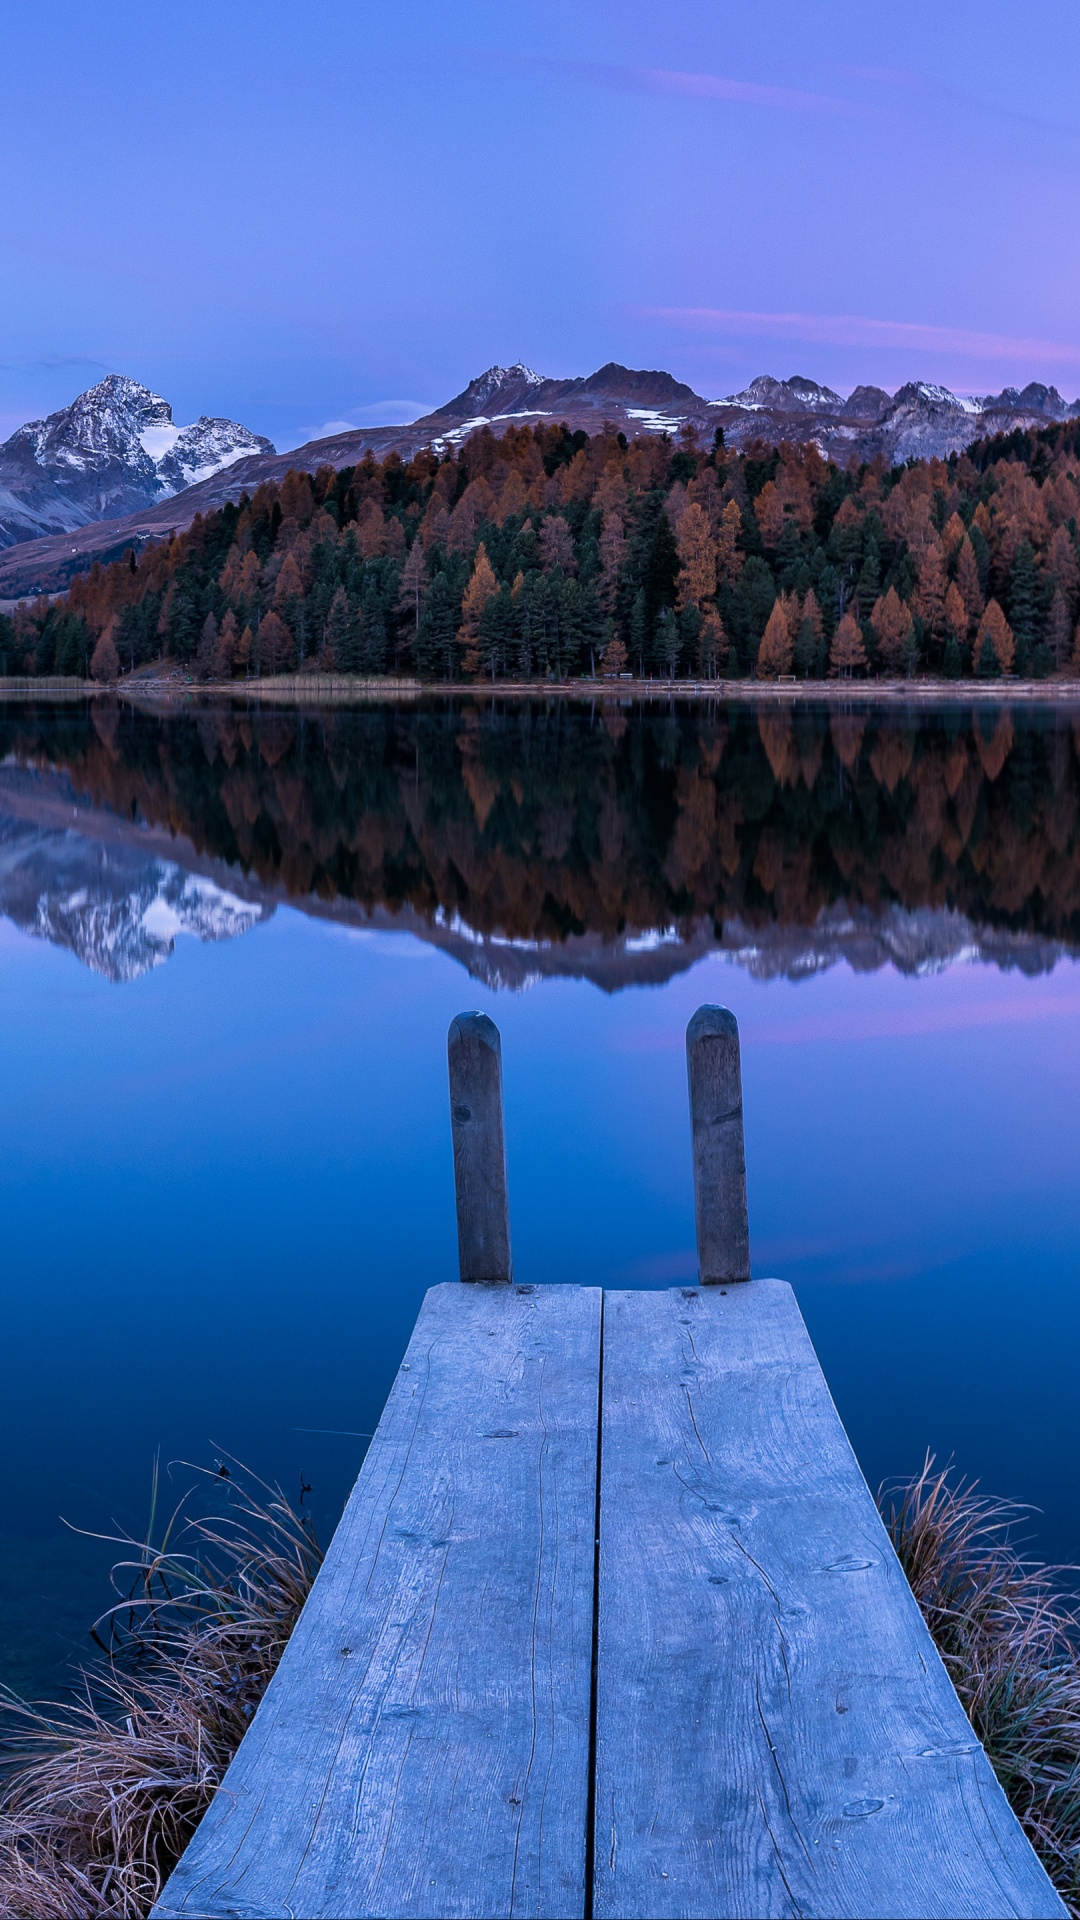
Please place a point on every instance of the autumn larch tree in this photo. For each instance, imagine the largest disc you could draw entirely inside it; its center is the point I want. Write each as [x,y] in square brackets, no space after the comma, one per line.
[956,614]
[613,660]
[228,641]
[995,649]
[207,649]
[275,645]
[967,579]
[612,550]
[775,653]
[729,560]
[482,585]
[556,545]
[712,645]
[697,554]
[932,589]
[105,664]
[847,654]
[891,621]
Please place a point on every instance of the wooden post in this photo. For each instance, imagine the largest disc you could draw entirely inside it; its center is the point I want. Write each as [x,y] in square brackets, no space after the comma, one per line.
[476,1122]
[715,1076]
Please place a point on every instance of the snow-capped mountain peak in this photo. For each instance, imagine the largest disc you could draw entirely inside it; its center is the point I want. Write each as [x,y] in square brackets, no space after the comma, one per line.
[496,378]
[114,450]
[796,395]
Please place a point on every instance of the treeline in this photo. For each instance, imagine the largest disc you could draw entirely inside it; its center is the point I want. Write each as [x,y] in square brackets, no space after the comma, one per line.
[548,555]
[540,820]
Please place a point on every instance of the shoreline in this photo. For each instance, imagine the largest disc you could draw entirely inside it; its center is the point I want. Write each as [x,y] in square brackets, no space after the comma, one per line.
[342,690]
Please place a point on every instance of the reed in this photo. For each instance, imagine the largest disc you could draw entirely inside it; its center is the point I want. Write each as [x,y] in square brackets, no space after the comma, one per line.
[102,1793]
[1011,1642]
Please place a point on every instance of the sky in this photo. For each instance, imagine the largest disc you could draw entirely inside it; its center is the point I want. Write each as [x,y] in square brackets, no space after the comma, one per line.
[305,216]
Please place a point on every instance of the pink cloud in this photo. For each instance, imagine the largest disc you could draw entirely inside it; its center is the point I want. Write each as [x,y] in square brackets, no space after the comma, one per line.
[714,86]
[856,1025]
[700,86]
[857,330]
[900,1023]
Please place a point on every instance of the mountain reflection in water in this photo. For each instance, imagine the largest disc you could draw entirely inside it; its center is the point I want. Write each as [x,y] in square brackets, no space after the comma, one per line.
[538,839]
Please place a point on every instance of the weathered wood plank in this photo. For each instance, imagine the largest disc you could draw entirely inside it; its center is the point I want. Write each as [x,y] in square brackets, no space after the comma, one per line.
[775,1731]
[423,1748]
[714,1076]
[474,1058]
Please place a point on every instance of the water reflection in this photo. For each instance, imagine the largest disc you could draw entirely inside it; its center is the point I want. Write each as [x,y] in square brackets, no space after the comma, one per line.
[225,1188]
[534,839]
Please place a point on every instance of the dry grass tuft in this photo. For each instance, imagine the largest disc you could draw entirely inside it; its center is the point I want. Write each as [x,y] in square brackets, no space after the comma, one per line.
[1011,1644]
[102,1794]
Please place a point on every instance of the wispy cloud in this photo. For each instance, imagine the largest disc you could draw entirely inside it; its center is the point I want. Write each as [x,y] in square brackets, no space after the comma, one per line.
[858,330]
[909,1022]
[700,86]
[50,366]
[381,413]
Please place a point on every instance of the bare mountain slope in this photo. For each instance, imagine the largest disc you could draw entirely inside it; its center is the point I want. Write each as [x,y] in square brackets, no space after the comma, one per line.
[920,420]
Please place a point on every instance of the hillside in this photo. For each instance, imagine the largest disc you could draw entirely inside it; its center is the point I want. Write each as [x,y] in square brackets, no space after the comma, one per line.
[545,554]
[920,421]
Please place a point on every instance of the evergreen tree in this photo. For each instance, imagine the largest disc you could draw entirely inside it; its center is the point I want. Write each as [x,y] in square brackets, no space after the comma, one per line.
[668,641]
[372,632]
[496,634]
[1023,604]
[436,636]
[661,571]
[1059,630]
[639,632]
[868,585]
[340,637]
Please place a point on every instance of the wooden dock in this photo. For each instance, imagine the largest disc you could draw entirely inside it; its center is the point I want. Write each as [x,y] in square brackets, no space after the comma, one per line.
[611,1626]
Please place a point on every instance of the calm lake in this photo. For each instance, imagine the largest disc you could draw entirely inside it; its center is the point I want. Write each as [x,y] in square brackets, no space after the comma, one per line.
[232,942]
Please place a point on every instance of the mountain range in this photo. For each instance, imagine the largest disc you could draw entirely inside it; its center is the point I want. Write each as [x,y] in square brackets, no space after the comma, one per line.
[112,471]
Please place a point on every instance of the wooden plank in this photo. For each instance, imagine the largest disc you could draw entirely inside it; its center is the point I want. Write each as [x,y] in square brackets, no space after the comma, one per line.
[424,1746]
[714,1076]
[775,1731]
[474,1059]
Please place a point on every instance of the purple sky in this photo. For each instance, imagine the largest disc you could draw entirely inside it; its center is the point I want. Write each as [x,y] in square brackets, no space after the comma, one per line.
[301,216]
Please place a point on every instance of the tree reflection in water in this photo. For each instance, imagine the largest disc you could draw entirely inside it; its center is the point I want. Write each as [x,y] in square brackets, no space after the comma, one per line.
[790,834]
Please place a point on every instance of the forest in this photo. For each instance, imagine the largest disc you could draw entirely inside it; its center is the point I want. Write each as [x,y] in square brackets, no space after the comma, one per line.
[545,555]
[542,820]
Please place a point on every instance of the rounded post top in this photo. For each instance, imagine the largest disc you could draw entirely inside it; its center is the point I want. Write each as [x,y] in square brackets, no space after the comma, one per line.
[709,1023]
[474,1026]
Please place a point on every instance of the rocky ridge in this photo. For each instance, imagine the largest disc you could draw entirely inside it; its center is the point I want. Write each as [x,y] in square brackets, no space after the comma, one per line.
[921,420]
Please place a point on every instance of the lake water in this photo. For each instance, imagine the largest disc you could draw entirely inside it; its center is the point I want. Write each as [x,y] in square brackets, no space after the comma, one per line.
[231,947]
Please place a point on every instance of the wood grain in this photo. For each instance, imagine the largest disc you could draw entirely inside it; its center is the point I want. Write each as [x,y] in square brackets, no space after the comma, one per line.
[423,1748]
[775,1731]
[474,1058]
[714,1076]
